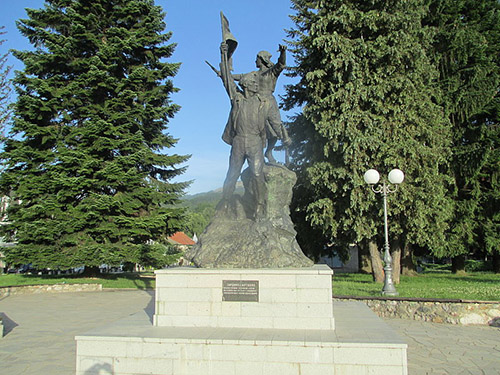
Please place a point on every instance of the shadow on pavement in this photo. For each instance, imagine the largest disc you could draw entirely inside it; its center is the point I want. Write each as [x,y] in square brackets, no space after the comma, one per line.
[8,324]
[150,308]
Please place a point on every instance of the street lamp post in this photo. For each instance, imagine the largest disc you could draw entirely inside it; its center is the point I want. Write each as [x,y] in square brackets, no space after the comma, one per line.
[396,177]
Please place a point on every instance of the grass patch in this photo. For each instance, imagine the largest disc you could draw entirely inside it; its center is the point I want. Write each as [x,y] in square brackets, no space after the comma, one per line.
[471,265]
[112,281]
[473,286]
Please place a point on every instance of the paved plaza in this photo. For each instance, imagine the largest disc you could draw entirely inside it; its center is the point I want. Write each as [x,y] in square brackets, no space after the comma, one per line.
[40,330]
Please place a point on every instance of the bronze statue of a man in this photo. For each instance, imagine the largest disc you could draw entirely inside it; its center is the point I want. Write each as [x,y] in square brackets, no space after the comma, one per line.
[268,74]
[245,131]
[254,118]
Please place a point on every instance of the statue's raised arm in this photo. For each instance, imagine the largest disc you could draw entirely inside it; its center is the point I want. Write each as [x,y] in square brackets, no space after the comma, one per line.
[281,64]
[225,72]
[227,48]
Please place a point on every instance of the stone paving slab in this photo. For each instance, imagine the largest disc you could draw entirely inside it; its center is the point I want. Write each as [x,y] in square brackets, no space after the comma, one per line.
[375,332]
[436,349]
[39,332]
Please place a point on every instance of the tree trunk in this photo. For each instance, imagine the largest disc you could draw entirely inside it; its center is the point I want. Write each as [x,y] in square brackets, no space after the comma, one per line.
[91,271]
[408,267]
[396,260]
[458,264]
[364,261]
[496,262]
[377,268]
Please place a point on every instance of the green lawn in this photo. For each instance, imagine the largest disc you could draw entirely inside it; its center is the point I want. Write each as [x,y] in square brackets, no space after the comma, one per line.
[473,286]
[120,280]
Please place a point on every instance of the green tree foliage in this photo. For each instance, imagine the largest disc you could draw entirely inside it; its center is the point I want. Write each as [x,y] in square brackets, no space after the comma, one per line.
[86,160]
[159,255]
[467,51]
[198,218]
[5,88]
[366,87]
[200,209]
[304,150]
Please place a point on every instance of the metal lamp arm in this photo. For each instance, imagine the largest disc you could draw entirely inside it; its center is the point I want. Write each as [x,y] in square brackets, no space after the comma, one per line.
[384,188]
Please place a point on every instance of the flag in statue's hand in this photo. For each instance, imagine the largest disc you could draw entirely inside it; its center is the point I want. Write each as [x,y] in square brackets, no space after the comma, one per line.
[230,40]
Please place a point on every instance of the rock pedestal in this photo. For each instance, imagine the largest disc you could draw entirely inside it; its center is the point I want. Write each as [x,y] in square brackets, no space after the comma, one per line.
[235,239]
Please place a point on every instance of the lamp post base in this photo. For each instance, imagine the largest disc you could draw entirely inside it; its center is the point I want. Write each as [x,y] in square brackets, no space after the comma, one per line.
[390,293]
[389,288]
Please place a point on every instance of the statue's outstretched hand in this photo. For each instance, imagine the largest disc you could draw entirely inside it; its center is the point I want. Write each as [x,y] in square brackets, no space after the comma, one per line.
[281,48]
[223,47]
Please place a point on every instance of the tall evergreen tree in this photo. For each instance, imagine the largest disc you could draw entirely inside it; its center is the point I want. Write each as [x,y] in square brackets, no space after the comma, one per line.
[467,50]
[86,159]
[366,86]
[5,87]
[307,147]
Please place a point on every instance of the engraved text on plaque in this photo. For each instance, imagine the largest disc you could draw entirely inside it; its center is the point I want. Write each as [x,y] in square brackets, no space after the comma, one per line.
[240,290]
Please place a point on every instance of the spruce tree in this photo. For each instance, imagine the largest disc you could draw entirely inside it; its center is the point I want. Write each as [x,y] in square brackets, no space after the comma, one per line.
[307,147]
[366,87]
[467,50]
[5,87]
[86,161]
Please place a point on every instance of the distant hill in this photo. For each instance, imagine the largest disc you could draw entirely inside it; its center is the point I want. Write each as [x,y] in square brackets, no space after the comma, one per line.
[200,209]
[209,198]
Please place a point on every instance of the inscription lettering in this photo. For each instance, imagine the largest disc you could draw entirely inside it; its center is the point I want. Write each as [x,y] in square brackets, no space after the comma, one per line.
[240,290]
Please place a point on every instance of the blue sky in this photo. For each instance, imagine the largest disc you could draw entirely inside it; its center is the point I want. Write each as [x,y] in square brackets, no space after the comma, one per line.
[195,24]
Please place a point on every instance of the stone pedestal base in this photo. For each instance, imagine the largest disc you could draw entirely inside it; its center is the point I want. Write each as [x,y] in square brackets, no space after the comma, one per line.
[360,344]
[241,298]
[244,322]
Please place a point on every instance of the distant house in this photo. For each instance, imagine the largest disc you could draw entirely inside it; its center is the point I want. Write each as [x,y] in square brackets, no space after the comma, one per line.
[181,240]
[338,266]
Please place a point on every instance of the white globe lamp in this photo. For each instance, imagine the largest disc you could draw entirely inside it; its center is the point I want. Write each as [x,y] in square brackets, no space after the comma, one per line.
[396,176]
[371,176]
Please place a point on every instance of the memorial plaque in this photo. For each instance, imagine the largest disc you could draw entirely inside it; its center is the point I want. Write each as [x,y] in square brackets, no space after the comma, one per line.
[240,290]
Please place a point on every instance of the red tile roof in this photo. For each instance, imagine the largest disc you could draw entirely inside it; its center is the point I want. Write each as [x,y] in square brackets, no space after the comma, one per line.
[181,238]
